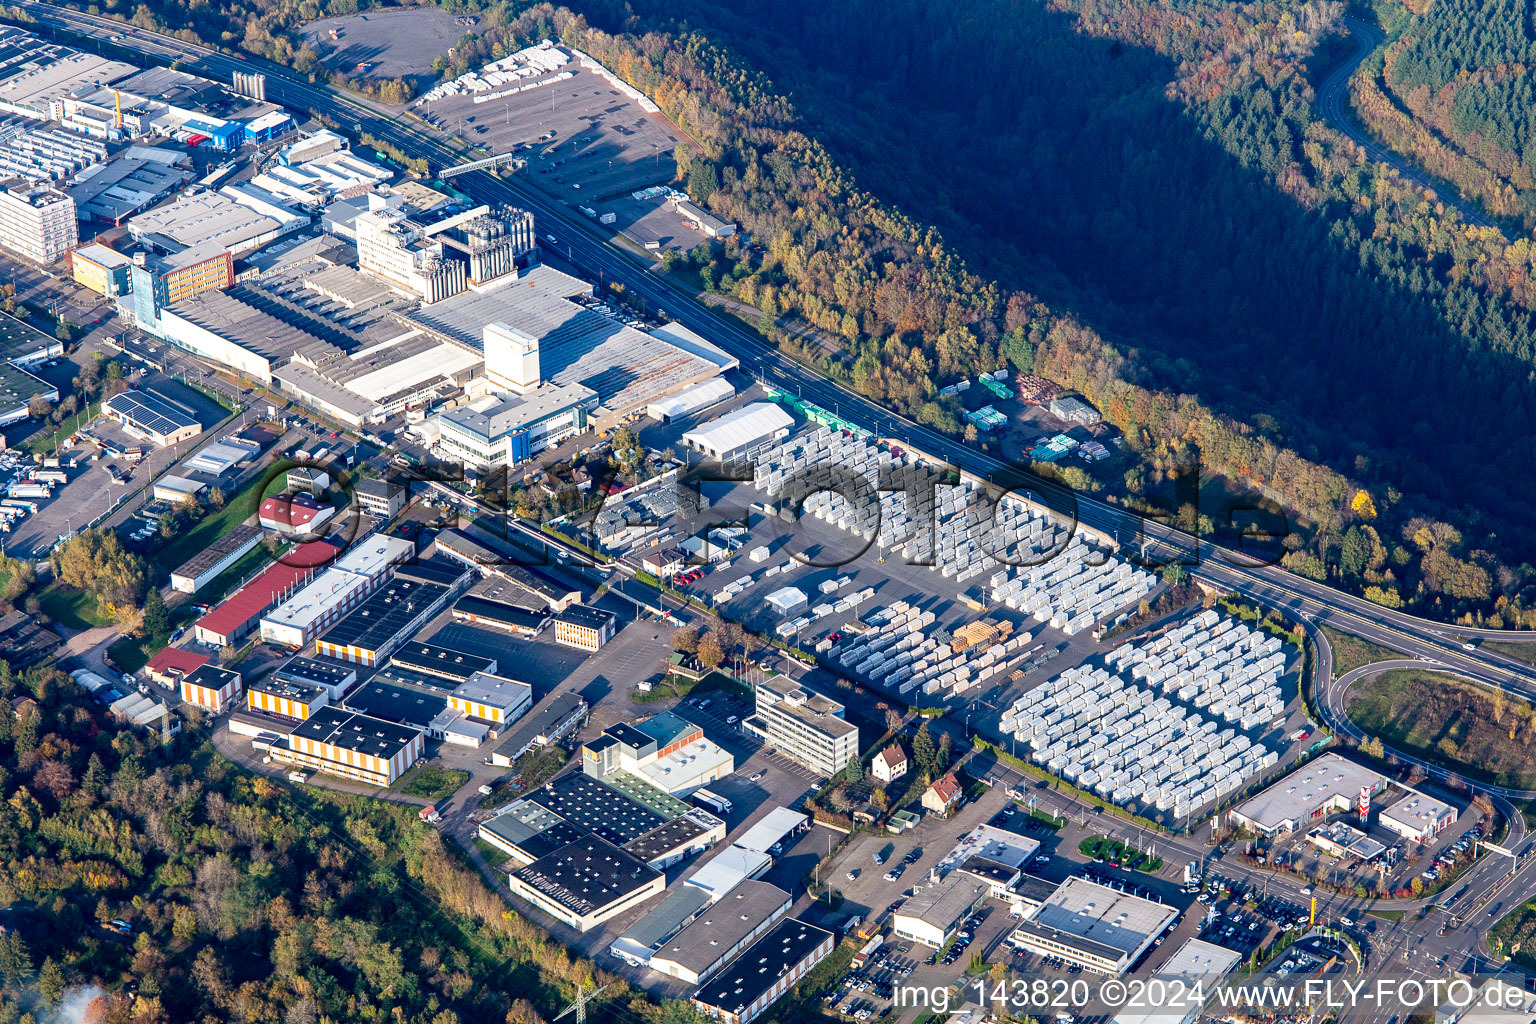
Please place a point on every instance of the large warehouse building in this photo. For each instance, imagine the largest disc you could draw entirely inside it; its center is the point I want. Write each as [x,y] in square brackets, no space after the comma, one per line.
[586,882]
[1099,928]
[1328,784]
[151,416]
[352,746]
[768,969]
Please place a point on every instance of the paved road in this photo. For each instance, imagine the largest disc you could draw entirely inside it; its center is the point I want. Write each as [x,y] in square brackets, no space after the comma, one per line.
[1333,101]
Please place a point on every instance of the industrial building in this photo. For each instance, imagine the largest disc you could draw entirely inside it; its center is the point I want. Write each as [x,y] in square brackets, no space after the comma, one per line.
[442,662]
[220,457]
[384,620]
[287,698]
[1328,784]
[1099,928]
[509,618]
[549,330]
[1418,818]
[585,628]
[337,590]
[210,688]
[934,913]
[205,566]
[586,882]
[768,969]
[174,490]
[352,746]
[129,183]
[20,346]
[502,431]
[665,751]
[334,677]
[236,219]
[740,431]
[102,270]
[803,725]
[559,715]
[150,416]
[293,515]
[171,664]
[437,260]
[691,401]
[723,929]
[158,281]
[37,222]
[239,613]
[492,698]
[1195,968]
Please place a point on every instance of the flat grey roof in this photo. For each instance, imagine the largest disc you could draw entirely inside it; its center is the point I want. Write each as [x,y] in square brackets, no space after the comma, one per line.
[1106,916]
[724,925]
[1296,796]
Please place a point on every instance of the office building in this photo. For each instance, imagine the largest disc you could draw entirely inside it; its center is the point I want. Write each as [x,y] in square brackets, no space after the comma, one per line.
[37,222]
[584,628]
[150,416]
[380,498]
[770,967]
[503,431]
[1101,929]
[803,725]
[586,883]
[102,270]
[1328,784]
[352,746]
[210,688]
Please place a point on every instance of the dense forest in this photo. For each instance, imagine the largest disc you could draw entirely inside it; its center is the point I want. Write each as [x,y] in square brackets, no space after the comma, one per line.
[148,881]
[1135,199]
[1457,86]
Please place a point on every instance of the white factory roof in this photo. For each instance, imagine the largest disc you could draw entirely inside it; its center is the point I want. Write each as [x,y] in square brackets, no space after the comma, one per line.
[1297,795]
[997,844]
[493,690]
[217,458]
[700,396]
[680,767]
[329,590]
[179,485]
[727,869]
[1116,919]
[740,428]
[1416,812]
[217,217]
[770,829]
[1196,963]
[372,553]
[787,599]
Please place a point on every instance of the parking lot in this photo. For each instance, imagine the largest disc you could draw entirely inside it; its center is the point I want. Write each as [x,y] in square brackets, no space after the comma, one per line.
[584,141]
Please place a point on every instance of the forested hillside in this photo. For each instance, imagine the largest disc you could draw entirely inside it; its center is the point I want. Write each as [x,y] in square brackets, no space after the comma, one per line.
[243,901]
[1134,198]
[1457,87]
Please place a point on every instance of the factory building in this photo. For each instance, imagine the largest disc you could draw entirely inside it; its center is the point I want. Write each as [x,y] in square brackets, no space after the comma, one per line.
[492,698]
[333,677]
[336,591]
[205,566]
[934,913]
[769,968]
[725,928]
[210,688]
[352,746]
[296,515]
[503,431]
[665,751]
[286,698]
[158,281]
[552,721]
[1099,928]
[586,883]
[239,613]
[437,260]
[150,416]
[441,662]
[509,618]
[584,628]
[400,607]
[803,725]
[102,270]
[740,431]
[37,222]
[1328,784]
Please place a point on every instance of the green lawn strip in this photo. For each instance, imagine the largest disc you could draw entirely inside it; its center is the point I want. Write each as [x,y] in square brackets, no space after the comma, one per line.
[1352,652]
[235,511]
[431,782]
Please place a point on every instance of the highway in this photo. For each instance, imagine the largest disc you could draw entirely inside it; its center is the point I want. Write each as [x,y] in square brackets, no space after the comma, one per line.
[1333,101]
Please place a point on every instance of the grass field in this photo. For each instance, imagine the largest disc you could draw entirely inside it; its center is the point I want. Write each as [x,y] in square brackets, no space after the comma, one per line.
[71,608]
[1470,729]
[431,782]
[1351,652]
[239,508]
